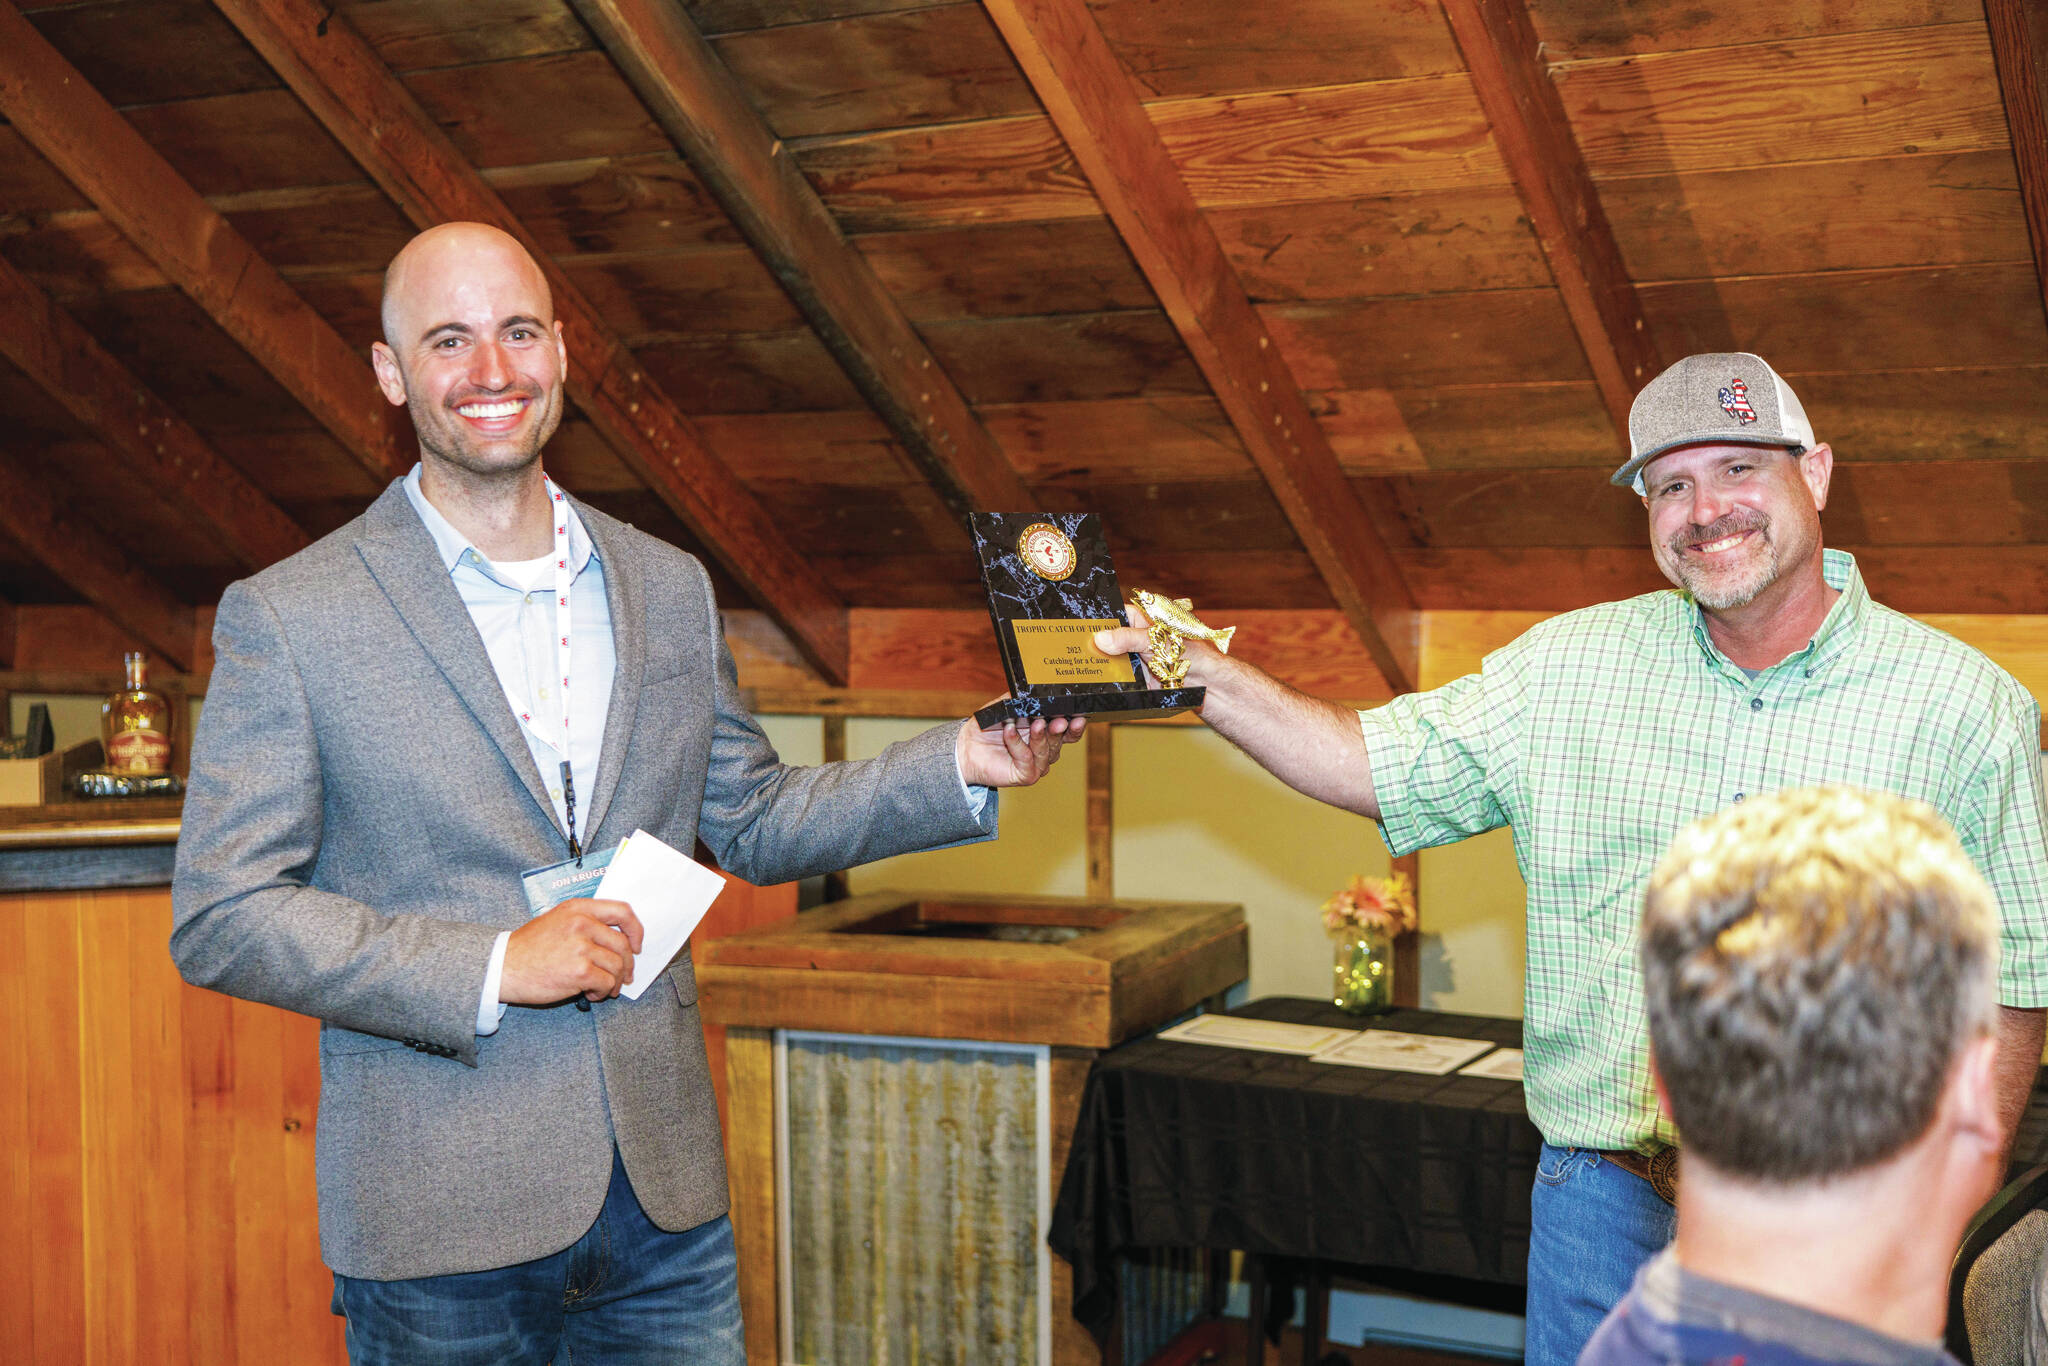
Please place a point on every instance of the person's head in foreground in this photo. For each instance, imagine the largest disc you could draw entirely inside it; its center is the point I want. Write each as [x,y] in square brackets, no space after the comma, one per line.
[1819,975]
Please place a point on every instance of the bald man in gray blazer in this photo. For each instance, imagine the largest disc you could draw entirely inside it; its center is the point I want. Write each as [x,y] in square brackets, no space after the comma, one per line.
[364,801]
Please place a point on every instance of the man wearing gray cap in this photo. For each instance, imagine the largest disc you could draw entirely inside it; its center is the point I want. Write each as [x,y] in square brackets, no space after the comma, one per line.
[1600,733]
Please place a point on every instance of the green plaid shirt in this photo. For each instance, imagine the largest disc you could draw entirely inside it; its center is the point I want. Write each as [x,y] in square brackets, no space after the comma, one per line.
[1600,733]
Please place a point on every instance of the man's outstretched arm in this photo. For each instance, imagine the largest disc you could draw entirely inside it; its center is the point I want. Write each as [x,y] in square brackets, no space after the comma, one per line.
[1312,745]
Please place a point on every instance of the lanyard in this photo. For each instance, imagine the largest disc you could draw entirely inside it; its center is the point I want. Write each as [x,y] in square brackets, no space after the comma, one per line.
[545,733]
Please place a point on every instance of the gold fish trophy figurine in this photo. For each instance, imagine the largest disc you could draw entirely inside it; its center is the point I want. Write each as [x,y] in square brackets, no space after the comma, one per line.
[1173,619]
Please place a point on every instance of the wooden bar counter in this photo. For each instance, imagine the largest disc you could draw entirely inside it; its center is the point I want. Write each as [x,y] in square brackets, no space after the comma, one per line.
[156,1141]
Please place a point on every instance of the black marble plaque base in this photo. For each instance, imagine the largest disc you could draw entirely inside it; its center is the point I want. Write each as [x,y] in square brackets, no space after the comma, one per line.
[1131,706]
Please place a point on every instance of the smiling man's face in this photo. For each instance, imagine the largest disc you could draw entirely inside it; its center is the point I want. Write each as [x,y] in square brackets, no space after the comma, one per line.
[472,349]
[1728,521]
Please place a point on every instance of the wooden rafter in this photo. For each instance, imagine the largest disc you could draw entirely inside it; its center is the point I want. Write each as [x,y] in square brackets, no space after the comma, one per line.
[350,91]
[1535,139]
[702,107]
[51,348]
[97,569]
[1093,103]
[88,140]
[2019,47]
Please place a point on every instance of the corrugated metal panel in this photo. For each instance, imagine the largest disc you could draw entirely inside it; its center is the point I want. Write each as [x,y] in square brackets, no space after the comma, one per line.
[913,1204]
[1162,1291]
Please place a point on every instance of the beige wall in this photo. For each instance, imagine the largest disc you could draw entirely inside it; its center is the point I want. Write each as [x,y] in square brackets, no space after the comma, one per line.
[72,718]
[1196,819]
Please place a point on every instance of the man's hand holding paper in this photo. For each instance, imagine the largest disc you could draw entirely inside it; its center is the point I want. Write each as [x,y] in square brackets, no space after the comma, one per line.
[581,947]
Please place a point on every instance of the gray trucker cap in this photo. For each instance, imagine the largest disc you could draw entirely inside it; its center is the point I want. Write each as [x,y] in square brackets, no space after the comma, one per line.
[1728,396]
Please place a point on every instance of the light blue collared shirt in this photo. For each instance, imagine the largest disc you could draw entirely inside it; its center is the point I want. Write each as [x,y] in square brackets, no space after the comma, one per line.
[513,606]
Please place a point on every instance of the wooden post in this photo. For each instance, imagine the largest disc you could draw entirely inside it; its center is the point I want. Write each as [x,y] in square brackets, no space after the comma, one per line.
[837,886]
[750,1165]
[1408,947]
[1101,740]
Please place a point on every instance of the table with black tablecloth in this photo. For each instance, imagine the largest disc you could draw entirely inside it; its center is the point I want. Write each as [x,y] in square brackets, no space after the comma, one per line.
[1191,1145]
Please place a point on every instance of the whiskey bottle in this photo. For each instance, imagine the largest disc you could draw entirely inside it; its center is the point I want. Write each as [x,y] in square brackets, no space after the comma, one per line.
[135,723]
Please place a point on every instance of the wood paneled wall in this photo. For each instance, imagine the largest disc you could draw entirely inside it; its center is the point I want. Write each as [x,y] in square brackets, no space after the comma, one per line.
[156,1150]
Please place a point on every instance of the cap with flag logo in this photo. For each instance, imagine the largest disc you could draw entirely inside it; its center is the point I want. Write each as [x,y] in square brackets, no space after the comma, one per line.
[1726,396]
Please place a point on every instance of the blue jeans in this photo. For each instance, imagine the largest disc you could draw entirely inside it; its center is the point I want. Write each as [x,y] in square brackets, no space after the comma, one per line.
[625,1293]
[1591,1226]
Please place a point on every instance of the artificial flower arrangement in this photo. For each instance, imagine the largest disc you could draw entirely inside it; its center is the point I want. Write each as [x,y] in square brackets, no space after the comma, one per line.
[1378,905]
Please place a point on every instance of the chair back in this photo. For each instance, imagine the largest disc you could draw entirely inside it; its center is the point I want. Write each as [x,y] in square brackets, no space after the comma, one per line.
[1993,1305]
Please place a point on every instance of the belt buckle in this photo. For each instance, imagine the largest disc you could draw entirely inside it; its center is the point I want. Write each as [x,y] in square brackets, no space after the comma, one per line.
[1663,1173]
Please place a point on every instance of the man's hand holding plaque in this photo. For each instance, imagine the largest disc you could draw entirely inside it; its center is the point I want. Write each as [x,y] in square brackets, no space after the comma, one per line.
[1013,753]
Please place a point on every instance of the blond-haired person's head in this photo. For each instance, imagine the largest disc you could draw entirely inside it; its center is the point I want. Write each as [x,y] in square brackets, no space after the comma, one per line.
[1816,962]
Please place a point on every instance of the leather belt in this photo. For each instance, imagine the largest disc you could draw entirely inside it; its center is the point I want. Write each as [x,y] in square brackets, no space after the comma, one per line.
[1659,1167]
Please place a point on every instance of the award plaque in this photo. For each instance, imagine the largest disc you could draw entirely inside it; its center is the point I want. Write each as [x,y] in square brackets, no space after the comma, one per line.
[1051,587]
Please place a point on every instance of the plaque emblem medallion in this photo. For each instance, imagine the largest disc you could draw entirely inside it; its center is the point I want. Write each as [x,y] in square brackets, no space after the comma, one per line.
[1046,551]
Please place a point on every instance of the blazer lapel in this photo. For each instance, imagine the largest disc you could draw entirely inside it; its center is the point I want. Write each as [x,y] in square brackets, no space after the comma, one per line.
[622,590]
[402,557]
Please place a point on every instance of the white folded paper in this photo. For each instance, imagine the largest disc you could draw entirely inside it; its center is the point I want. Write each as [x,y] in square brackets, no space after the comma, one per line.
[1392,1051]
[1266,1036]
[1504,1064]
[668,891]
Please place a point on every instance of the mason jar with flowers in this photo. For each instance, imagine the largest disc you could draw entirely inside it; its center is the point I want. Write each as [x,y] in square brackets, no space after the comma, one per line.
[1362,921]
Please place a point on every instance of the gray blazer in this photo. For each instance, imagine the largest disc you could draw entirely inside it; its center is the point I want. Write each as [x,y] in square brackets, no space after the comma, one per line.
[362,803]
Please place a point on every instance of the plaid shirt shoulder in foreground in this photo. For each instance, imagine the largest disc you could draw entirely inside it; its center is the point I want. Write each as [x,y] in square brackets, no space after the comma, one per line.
[1600,733]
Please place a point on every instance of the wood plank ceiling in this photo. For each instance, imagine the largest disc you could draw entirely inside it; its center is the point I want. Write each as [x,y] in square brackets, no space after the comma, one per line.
[1429,249]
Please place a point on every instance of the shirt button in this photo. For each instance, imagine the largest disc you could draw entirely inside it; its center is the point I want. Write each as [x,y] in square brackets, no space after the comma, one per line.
[543,691]
[1755,703]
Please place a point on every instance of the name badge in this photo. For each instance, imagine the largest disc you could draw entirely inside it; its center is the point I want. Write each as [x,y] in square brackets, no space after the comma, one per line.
[549,887]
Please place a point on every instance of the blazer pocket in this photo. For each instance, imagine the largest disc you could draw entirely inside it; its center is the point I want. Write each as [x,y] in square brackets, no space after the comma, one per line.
[683,978]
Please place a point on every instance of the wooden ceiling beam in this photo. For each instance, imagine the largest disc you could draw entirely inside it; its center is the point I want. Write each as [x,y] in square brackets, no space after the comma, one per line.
[92,565]
[97,149]
[702,107]
[2019,49]
[369,111]
[1535,139]
[53,349]
[1093,103]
